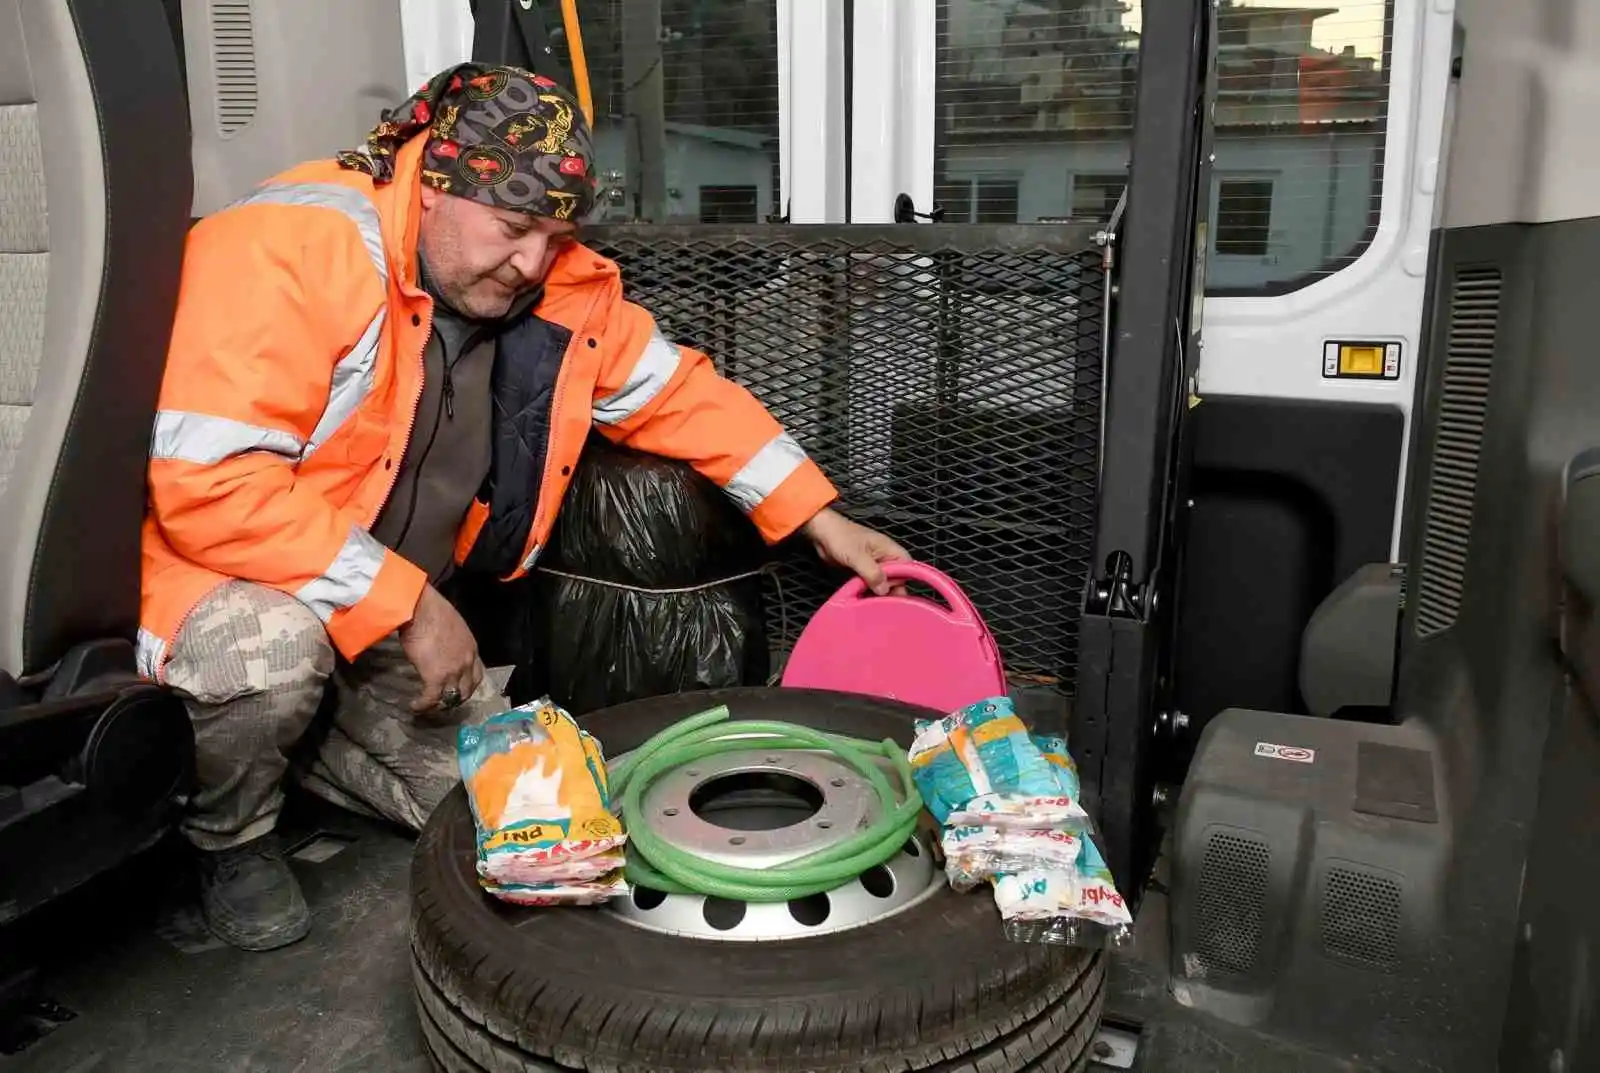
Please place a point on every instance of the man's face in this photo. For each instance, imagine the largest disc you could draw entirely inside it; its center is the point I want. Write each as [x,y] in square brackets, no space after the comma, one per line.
[482,257]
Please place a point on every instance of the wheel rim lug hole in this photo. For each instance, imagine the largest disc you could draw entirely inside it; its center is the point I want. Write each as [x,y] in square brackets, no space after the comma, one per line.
[837,784]
[736,840]
[669,812]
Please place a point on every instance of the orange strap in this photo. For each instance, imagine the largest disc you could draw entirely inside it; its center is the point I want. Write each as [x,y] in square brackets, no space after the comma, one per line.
[580,65]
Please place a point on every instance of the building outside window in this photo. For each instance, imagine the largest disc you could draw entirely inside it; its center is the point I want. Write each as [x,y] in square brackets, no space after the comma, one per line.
[1044,89]
[1244,217]
[1095,197]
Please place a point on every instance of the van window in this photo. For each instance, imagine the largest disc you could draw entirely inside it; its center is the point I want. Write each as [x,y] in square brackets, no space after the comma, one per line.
[1042,91]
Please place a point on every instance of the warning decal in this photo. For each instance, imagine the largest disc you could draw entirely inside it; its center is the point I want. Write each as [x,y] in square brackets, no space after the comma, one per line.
[1286,752]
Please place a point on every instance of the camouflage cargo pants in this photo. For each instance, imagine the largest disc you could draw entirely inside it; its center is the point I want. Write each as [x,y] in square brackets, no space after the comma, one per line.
[252,665]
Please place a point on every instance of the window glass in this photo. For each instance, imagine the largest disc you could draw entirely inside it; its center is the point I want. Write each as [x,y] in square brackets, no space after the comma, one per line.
[1036,91]
[1041,92]
[1302,99]
[686,107]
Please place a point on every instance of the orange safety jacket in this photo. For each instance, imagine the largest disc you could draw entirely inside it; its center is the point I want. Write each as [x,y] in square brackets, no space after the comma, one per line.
[292,383]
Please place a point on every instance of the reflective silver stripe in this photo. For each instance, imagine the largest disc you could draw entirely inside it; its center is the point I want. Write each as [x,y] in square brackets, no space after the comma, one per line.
[348,578]
[352,383]
[354,204]
[761,476]
[649,376]
[206,440]
[150,652]
[533,557]
[352,377]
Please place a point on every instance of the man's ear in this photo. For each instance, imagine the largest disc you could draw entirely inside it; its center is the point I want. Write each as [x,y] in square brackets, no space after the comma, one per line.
[430,196]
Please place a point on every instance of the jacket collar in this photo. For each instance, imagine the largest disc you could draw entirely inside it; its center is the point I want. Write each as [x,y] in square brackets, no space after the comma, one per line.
[399,205]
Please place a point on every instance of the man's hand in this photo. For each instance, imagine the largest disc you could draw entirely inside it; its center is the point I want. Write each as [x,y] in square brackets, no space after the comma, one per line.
[444,652]
[841,542]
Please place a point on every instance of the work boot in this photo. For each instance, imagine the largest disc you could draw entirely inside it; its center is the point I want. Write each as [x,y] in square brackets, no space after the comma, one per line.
[250,898]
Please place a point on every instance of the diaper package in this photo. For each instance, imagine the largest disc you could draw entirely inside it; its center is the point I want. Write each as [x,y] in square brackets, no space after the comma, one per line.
[1008,804]
[609,886]
[980,765]
[974,852]
[546,831]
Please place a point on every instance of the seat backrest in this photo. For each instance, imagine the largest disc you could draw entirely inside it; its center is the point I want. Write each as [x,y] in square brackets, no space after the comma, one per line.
[95,194]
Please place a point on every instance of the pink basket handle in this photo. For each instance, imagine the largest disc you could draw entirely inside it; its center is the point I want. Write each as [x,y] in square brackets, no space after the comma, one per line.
[856,589]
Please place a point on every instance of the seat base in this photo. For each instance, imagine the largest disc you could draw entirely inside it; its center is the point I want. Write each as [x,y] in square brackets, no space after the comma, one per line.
[94,766]
[68,841]
[1307,861]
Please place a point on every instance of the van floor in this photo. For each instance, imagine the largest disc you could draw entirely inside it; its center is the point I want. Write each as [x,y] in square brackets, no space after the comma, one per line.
[134,983]
[151,990]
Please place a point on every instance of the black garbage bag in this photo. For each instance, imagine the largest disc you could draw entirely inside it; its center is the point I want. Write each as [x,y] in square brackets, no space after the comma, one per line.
[651,585]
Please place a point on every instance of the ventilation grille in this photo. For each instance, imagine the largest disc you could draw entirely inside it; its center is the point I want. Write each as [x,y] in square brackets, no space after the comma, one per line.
[233,52]
[1231,905]
[1458,441]
[1361,917]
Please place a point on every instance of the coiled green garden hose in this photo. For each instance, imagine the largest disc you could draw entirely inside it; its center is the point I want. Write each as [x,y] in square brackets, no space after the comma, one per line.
[653,862]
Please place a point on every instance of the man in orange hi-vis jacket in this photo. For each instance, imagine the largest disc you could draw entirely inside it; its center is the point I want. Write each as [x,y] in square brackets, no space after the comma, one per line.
[383,369]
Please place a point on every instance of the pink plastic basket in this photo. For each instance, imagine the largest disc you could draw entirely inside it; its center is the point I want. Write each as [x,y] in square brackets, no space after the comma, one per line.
[903,647]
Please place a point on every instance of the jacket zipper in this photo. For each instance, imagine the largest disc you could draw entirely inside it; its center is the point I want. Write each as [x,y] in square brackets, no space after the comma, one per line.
[160,676]
[416,401]
[411,422]
[555,423]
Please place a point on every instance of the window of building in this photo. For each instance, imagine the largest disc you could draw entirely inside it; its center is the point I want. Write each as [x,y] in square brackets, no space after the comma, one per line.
[728,204]
[1094,197]
[1244,217]
[955,199]
[979,200]
[995,201]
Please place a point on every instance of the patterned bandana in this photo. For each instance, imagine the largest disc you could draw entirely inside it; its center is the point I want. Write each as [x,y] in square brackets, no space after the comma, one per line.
[497,135]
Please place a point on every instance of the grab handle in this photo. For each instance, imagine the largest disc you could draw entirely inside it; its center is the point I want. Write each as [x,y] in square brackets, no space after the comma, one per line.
[856,589]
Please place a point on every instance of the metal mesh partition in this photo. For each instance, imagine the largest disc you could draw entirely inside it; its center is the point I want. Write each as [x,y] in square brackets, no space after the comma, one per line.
[947,378]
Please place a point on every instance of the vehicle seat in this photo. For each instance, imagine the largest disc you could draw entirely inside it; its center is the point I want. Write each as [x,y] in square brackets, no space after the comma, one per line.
[95,194]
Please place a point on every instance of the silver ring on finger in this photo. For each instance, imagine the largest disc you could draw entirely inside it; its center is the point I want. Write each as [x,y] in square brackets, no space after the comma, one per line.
[451,697]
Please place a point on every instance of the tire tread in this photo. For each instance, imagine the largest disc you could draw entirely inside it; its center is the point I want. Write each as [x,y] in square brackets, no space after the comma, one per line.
[1057,1042]
[1055,1037]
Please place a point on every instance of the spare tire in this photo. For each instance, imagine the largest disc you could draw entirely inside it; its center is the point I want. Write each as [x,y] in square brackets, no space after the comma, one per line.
[935,986]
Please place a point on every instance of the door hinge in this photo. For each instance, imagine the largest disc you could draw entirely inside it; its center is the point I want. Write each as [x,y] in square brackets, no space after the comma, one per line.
[1114,594]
